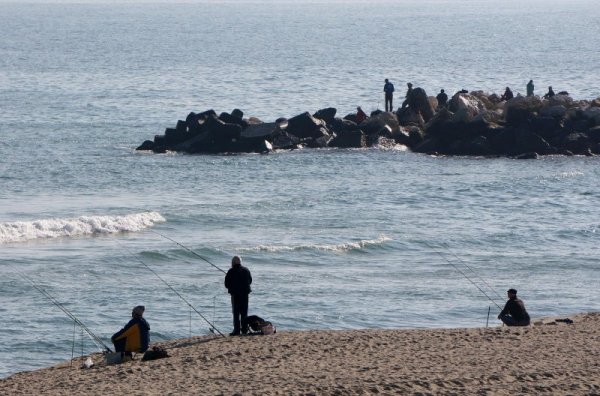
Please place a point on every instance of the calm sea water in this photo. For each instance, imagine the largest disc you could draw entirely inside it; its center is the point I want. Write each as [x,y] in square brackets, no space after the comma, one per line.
[335,239]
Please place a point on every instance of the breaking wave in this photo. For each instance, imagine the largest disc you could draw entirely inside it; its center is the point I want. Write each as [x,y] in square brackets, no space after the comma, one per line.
[342,247]
[85,225]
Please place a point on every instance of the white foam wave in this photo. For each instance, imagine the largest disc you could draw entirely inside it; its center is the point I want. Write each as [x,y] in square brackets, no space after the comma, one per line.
[342,247]
[85,225]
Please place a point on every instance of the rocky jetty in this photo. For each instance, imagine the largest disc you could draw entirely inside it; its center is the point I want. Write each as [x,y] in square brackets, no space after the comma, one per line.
[473,124]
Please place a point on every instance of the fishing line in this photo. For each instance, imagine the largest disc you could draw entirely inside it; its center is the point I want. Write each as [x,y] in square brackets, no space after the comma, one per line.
[212,327]
[463,274]
[471,269]
[188,249]
[99,343]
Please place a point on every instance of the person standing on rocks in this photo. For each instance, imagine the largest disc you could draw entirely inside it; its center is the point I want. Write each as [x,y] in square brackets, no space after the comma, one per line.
[388,88]
[237,282]
[442,99]
[408,93]
[514,312]
[530,88]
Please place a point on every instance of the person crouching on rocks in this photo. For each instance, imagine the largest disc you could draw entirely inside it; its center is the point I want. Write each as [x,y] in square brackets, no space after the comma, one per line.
[514,312]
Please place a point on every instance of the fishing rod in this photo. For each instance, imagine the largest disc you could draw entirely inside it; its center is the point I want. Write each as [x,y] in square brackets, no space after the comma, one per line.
[445,245]
[188,249]
[99,343]
[212,326]
[463,274]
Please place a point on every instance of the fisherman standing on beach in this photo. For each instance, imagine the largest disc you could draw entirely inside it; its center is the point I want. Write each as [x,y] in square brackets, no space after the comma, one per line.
[514,312]
[237,282]
[388,88]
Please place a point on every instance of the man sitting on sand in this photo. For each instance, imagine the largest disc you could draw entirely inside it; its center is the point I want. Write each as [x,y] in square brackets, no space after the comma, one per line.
[135,336]
[514,312]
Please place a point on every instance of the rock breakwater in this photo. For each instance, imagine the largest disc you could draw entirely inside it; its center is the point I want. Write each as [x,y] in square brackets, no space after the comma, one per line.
[472,124]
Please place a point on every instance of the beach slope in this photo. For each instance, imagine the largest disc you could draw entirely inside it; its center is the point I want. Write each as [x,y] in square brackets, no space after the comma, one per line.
[546,358]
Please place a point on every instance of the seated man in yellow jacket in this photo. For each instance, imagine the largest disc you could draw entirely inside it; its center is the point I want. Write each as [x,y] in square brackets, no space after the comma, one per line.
[135,336]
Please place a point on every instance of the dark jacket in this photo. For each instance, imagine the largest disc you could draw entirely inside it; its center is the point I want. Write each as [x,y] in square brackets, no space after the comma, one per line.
[388,88]
[136,333]
[516,309]
[238,280]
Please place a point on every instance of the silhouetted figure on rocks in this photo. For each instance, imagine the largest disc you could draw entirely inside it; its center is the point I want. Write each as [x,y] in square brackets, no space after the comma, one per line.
[549,94]
[407,97]
[388,88]
[530,88]
[360,115]
[442,99]
[507,95]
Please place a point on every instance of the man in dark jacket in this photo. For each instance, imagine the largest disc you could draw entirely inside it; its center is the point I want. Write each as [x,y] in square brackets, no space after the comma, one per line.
[388,88]
[237,282]
[135,336]
[514,312]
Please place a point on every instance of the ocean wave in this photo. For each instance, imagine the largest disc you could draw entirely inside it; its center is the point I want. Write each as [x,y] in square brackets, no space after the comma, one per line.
[85,225]
[342,247]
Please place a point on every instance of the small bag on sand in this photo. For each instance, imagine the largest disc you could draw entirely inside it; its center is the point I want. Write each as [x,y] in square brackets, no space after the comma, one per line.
[155,353]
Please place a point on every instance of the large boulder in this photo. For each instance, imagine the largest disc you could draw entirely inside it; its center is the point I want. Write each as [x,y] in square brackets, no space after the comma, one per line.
[349,139]
[221,129]
[379,122]
[147,145]
[528,141]
[326,115]
[408,116]
[305,126]
[419,102]
[561,100]
[577,143]
[592,114]
[283,140]
[556,111]
[231,119]
[465,107]
[520,109]
[264,130]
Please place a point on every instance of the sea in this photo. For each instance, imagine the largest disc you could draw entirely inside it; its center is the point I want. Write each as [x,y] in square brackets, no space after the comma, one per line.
[334,238]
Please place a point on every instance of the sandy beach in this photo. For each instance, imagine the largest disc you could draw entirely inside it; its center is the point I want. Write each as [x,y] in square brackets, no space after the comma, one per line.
[548,357]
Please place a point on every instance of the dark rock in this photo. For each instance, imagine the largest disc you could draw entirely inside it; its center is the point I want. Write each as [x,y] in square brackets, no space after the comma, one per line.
[385,122]
[147,145]
[428,146]
[415,136]
[351,117]
[594,134]
[175,136]
[231,119]
[284,140]
[520,109]
[407,116]
[419,103]
[349,139]
[577,143]
[305,126]
[339,125]
[264,130]
[220,129]
[530,155]
[528,141]
[237,113]
[376,112]
[326,115]
[320,141]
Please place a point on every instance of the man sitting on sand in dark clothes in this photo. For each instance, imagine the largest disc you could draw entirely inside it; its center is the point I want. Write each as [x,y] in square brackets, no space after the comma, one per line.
[135,336]
[514,312]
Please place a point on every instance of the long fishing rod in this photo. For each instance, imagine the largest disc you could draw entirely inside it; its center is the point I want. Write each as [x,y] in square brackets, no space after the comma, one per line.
[188,249]
[463,274]
[445,245]
[212,326]
[99,343]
